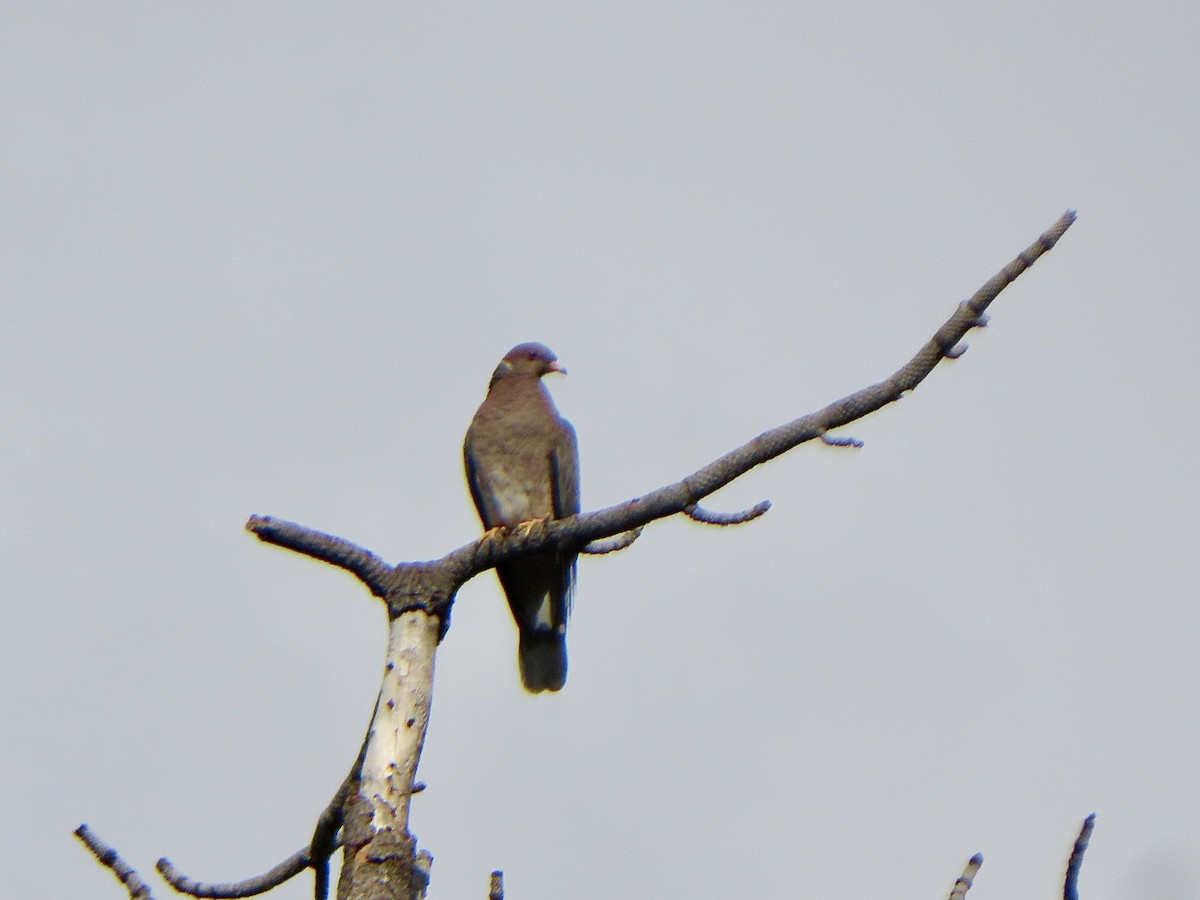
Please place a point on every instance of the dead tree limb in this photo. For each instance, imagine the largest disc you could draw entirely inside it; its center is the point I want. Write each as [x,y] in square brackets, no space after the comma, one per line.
[379,848]
[967,878]
[1075,863]
[248,887]
[380,856]
[111,859]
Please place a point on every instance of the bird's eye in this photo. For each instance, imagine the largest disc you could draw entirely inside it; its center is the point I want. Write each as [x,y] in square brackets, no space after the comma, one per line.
[531,355]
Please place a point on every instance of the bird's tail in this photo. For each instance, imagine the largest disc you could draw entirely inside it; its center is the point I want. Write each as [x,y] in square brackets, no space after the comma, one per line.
[543,657]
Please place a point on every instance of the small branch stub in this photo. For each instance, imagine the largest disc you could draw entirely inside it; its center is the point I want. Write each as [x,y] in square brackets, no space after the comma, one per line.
[830,441]
[614,543]
[967,878]
[956,351]
[111,859]
[1075,863]
[708,517]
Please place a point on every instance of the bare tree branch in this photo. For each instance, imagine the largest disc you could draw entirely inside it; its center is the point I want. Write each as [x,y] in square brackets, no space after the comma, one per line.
[259,884]
[1075,863]
[496,886]
[110,858]
[708,517]
[614,543]
[370,569]
[379,851]
[419,595]
[578,530]
[967,878]
[326,835]
[325,840]
[497,546]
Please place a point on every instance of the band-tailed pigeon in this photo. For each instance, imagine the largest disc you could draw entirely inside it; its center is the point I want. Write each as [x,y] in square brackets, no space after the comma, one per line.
[523,464]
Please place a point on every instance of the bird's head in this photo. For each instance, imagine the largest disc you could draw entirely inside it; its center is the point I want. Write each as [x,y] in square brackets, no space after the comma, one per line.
[529,360]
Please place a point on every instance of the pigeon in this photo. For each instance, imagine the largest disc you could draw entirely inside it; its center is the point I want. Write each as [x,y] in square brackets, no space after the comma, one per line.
[522,465]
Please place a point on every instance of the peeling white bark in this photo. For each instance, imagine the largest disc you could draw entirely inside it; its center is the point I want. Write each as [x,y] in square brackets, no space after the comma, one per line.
[401,718]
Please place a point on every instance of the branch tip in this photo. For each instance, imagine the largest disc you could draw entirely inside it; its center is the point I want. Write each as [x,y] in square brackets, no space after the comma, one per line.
[1075,863]
[108,857]
[708,517]
[614,543]
[967,878]
[830,441]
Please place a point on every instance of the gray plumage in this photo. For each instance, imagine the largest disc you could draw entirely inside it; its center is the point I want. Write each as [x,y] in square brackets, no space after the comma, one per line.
[522,464]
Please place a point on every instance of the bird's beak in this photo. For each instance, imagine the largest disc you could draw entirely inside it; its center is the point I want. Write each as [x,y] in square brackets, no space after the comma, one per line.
[555,367]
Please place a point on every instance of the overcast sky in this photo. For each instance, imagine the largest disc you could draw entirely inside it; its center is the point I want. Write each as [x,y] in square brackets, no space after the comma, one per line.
[262,258]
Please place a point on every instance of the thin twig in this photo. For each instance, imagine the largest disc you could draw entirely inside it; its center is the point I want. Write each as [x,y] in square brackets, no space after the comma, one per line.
[831,441]
[967,878]
[1075,863]
[614,543]
[326,835]
[496,886]
[110,858]
[708,517]
[289,868]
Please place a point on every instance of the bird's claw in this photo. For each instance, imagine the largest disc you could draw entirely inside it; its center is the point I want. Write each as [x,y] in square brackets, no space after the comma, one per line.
[498,531]
[526,528]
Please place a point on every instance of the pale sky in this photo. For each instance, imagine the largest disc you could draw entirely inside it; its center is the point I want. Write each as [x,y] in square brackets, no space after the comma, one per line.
[263,258]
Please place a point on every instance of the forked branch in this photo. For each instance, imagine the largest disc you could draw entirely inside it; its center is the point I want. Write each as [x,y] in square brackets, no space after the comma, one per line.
[459,566]
[380,853]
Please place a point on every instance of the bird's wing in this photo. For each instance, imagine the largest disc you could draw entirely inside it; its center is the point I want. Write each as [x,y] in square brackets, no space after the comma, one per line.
[564,472]
[481,492]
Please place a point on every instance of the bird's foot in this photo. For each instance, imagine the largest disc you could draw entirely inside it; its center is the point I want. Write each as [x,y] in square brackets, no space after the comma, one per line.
[498,531]
[526,528]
